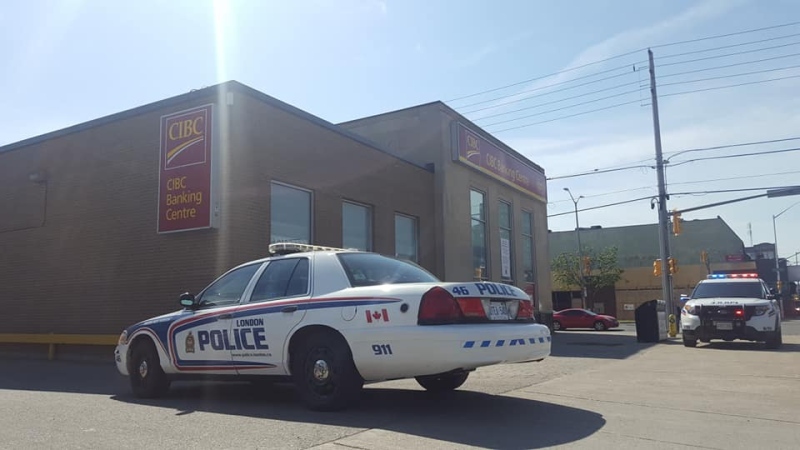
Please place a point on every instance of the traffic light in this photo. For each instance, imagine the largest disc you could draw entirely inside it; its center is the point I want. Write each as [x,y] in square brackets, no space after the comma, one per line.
[587,265]
[673,266]
[657,268]
[676,222]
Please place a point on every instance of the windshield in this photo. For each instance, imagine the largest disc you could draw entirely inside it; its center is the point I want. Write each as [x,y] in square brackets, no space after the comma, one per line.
[369,269]
[738,290]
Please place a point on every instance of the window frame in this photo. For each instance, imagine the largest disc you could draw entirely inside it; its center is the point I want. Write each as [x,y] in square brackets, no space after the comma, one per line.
[263,271]
[528,237]
[310,208]
[245,293]
[504,203]
[370,223]
[415,221]
[485,222]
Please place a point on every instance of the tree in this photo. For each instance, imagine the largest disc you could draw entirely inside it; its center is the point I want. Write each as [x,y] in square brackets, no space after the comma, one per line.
[594,270]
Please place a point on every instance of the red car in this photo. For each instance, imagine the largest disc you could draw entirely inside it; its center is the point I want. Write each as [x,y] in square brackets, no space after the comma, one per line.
[582,318]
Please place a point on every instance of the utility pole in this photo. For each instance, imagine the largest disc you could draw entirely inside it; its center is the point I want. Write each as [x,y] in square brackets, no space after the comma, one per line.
[663,220]
[580,248]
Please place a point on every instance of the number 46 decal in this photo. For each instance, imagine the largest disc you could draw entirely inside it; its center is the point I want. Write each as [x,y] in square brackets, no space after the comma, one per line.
[382,349]
[460,290]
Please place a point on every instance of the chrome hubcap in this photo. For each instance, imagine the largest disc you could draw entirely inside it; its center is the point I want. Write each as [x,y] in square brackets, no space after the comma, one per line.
[321,370]
[143,369]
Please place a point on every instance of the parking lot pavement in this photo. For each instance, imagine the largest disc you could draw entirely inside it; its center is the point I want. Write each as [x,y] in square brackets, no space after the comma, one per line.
[598,390]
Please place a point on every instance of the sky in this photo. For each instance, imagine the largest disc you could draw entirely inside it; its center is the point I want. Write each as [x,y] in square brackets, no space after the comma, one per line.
[67,62]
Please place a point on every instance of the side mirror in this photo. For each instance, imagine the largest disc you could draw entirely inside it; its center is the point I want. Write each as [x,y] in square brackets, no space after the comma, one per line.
[187,300]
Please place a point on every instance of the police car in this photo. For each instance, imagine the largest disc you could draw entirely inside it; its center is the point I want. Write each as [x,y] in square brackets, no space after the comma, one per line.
[331,320]
[729,307]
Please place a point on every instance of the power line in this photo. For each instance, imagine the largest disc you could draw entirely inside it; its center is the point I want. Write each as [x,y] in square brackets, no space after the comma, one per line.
[624,202]
[729,86]
[721,77]
[726,66]
[567,116]
[599,171]
[565,107]
[737,33]
[738,155]
[546,76]
[560,83]
[670,44]
[741,44]
[740,144]
[556,101]
[727,55]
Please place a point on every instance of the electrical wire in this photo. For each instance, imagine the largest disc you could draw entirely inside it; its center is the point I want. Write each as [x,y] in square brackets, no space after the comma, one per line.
[726,66]
[688,61]
[740,144]
[721,77]
[741,44]
[738,155]
[567,116]
[560,83]
[598,171]
[670,44]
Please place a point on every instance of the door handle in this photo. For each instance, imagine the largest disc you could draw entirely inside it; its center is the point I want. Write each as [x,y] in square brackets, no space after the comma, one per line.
[224,316]
[289,309]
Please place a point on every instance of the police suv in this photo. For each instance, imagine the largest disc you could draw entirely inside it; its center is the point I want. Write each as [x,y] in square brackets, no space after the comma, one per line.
[729,307]
[331,320]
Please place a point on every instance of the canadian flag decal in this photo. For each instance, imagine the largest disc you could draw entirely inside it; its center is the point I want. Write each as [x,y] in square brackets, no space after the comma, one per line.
[377,316]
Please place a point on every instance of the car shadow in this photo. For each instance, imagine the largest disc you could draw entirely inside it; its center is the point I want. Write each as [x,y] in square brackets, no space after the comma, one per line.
[589,344]
[462,417]
[747,346]
[61,376]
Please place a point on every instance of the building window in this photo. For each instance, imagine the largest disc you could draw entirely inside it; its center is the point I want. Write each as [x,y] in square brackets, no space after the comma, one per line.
[527,246]
[478,222]
[405,237]
[356,226]
[290,214]
[505,240]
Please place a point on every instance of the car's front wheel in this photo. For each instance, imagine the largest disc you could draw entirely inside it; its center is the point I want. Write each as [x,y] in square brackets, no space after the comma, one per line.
[324,372]
[147,378]
[442,383]
[774,339]
[689,342]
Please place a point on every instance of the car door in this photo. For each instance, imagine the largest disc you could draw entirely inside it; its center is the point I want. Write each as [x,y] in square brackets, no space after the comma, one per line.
[570,318]
[276,305]
[586,320]
[201,342]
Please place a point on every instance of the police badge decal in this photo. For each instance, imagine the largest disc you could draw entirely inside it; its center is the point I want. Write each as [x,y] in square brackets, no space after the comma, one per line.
[190,343]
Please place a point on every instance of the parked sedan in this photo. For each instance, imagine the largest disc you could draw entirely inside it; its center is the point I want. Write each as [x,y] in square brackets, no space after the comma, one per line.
[582,318]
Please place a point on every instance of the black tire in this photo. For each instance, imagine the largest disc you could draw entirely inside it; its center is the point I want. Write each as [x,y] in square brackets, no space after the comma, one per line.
[324,372]
[774,340]
[689,342]
[600,326]
[442,383]
[147,378]
[557,326]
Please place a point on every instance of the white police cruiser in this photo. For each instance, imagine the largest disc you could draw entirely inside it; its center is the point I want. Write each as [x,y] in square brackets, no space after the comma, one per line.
[332,320]
[729,307]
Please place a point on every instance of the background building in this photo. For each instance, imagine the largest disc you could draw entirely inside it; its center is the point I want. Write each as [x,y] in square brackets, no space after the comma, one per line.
[637,250]
[107,222]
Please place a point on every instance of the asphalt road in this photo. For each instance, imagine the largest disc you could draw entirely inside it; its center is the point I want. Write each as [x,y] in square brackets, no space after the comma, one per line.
[598,390]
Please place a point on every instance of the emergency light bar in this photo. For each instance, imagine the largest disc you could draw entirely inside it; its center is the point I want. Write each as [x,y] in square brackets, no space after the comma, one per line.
[287,248]
[732,275]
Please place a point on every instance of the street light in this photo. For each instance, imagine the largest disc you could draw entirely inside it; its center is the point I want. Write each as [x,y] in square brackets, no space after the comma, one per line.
[580,247]
[775,233]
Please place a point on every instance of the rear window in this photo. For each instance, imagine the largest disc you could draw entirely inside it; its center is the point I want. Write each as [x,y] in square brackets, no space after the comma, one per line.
[370,269]
[737,290]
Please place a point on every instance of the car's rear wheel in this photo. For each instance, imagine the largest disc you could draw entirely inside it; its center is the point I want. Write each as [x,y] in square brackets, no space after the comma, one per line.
[689,342]
[324,372]
[442,383]
[599,326]
[557,325]
[147,378]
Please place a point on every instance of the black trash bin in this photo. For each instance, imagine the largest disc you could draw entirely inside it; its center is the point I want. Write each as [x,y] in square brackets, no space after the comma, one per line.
[651,321]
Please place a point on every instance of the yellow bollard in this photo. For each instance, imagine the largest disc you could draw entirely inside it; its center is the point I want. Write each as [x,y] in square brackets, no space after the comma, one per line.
[673,327]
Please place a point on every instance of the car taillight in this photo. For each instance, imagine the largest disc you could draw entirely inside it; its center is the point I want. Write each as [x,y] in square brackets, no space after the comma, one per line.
[471,307]
[438,307]
[525,310]
[739,313]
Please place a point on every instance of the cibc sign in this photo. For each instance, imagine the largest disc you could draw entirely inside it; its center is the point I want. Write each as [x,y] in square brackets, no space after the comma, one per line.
[484,156]
[184,192]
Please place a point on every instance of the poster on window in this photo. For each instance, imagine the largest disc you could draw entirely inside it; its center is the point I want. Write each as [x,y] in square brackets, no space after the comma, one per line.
[505,258]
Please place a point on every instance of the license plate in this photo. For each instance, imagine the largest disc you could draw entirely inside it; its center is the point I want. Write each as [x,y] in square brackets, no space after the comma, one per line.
[724,325]
[499,311]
